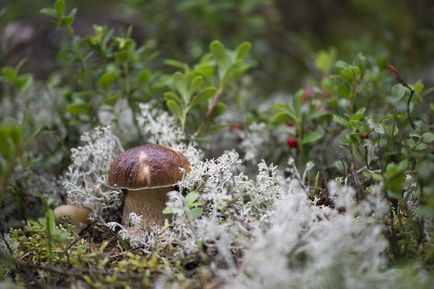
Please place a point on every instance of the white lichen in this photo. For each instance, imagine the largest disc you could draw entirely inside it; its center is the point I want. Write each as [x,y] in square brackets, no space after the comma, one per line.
[311,246]
[254,142]
[286,239]
[160,127]
[85,179]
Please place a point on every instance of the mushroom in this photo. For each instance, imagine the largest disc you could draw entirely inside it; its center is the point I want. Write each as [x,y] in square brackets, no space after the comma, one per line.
[77,215]
[148,173]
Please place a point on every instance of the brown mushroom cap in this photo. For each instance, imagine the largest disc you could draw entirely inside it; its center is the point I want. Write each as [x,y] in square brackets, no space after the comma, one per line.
[147,166]
[77,215]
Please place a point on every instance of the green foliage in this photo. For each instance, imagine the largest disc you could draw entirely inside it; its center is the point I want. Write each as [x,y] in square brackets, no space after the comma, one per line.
[10,76]
[358,129]
[324,60]
[61,18]
[43,243]
[306,132]
[193,206]
[205,83]
[108,68]
[15,163]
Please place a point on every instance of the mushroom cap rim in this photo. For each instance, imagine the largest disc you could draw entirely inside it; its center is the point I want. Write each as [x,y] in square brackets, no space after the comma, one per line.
[141,188]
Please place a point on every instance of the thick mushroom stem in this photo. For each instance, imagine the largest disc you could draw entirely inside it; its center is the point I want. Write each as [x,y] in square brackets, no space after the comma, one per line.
[149,203]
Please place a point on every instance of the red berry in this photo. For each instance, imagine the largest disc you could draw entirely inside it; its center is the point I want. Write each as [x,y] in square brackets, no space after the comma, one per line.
[292,142]
[236,126]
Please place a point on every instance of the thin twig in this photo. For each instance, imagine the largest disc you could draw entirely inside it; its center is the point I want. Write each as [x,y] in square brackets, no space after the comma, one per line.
[394,72]
[211,107]
[408,107]
[213,103]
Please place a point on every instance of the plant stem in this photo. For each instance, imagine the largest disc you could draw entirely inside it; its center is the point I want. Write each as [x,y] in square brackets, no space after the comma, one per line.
[211,107]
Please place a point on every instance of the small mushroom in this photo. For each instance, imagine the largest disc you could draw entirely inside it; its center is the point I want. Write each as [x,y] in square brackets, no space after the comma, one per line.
[148,173]
[77,215]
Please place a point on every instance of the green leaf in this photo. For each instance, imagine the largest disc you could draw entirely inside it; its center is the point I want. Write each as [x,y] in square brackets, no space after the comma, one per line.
[324,60]
[341,65]
[282,108]
[107,79]
[67,20]
[181,86]
[72,13]
[59,6]
[339,166]
[176,64]
[402,166]
[49,11]
[350,72]
[167,211]
[241,69]
[217,49]
[111,100]
[144,76]
[175,109]
[313,136]
[195,84]
[359,115]
[24,82]
[10,73]
[391,129]
[398,91]
[425,211]
[233,71]
[11,137]
[340,120]
[51,222]
[191,197]
[242,50]
[428,137]
[394,195]
[281,118]
[196,212]
[377,177]
[219,53]
[418,87]
[218,110]
[394,178]
[171,96]
[203,96]
[360,60]
[205,69]
[315,115]
[77,108]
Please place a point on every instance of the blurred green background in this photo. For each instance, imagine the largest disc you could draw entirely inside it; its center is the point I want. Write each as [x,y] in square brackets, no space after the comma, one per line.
[285,34]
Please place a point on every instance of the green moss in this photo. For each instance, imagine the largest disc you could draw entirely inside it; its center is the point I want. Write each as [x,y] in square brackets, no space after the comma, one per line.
[33,244]
[99,265]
